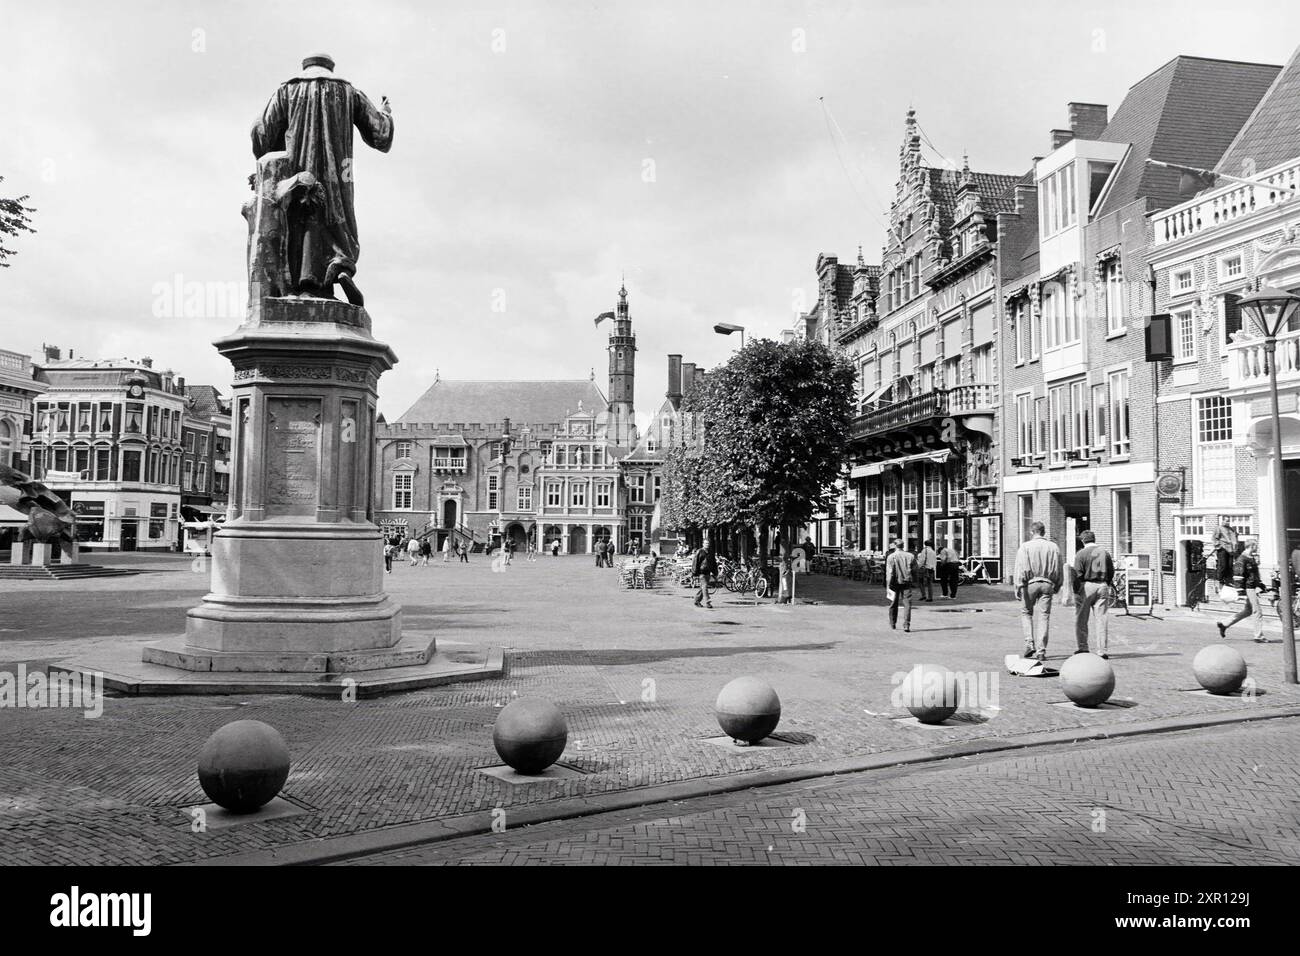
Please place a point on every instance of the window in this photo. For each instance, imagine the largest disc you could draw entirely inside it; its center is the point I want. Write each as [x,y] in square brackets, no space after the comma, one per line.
[603,494]
[891,492]
[636,489]
[1231,317]
[1184,329]
[1242,524]
[83,417]
[1035,332]
[1098,174]
[494,451]
[933,488]
[553,494]
[909,491]
[1230,268]
[1062,431]
[525,500]
[1215,475]
[493,492]
[1025,506]
[1040,427]
[873,494]
[203,445]
[1123,517]
[1079,409]
[956,491]
[656,483]
[1113,296]
[187,472]
[1024,425]
[1181,282]
[1119,419]
[578,495]
[1057,208]
[1098,416]
[105,418]
[1020,314]
[134,417]
[402,488]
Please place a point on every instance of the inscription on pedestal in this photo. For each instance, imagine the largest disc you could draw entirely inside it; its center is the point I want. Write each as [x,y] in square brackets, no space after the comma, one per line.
[292,457]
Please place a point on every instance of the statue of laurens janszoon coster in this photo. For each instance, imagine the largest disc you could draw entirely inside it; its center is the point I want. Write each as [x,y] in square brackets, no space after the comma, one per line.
[302,227]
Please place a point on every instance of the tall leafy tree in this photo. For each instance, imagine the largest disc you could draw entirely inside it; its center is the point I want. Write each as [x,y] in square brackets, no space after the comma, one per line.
[14,219]
[775,424]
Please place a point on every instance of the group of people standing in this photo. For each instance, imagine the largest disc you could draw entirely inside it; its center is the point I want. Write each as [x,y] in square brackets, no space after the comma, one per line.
[420,550]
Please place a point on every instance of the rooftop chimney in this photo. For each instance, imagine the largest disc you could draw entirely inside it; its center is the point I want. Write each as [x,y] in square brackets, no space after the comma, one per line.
[180,384]
[688,377]
[1088,120]
[674,393]
[1060,137]
[147,362]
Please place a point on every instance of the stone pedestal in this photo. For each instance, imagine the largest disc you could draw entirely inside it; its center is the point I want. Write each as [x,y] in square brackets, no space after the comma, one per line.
[297,569]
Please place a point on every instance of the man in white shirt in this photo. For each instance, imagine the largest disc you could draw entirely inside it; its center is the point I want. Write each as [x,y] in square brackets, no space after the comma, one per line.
[899,573]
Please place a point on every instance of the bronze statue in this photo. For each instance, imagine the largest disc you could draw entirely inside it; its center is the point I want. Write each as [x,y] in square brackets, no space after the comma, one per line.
[302,224]
[48,516]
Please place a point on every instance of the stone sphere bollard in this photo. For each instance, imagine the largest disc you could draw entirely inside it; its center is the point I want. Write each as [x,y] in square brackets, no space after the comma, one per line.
[1087,680]
[243,765]
[930,693]
[1220,669]
[747,709]
[530,734]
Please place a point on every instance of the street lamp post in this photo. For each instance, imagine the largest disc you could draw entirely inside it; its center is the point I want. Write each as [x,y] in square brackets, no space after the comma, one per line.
[726,328]
[1273,309]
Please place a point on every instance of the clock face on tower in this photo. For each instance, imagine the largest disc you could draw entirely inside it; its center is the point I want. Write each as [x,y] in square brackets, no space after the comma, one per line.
[135,391]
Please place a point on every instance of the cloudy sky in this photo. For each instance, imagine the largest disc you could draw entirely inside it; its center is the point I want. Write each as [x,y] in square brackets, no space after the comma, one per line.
[542,151]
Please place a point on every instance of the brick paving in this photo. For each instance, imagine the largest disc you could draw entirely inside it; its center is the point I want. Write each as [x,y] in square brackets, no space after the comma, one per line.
[112,790]
[1226,796]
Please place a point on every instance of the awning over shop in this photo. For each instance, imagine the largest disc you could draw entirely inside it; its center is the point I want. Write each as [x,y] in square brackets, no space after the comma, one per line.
[876,395]
[876,467]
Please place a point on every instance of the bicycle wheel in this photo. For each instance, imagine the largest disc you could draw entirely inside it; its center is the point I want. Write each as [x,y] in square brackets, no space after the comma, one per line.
[760,586]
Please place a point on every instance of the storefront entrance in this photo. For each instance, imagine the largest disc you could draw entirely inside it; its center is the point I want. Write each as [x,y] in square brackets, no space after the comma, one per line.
[130,530]
[1076,508]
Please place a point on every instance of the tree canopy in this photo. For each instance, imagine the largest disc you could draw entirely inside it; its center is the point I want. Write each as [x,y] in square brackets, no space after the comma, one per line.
[13,220]
[773,427]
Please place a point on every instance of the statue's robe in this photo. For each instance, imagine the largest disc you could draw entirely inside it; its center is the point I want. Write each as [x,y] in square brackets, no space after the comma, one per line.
[311,117]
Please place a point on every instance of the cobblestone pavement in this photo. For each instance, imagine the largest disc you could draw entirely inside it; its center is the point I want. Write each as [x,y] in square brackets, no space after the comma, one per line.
[636,674]
[1223,796]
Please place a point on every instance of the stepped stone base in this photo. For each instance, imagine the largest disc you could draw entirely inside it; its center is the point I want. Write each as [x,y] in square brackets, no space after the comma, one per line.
[412,651]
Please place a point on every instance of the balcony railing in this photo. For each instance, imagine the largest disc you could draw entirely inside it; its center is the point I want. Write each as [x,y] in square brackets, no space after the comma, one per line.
[960,400]
[1226,204]
[449,464]
[1248,362]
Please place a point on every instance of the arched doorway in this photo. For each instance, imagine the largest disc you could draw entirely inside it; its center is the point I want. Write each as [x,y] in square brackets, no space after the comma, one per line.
[578,539]
[550,534]
[518,535]
[449,513]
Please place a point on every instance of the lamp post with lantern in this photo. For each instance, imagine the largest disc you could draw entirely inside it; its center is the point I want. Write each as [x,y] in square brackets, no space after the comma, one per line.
[1273,311]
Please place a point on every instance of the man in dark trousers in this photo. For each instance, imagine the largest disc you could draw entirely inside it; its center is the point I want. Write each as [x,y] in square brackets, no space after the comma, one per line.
[900,570]
[704,567]
[1094,570]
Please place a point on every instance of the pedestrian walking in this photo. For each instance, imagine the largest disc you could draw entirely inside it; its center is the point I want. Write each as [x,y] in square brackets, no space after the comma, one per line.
[555,548]
[927,562]
[462,547]
[388,557]
[510,550]
[704,567]
[949,570]
[446,549]
[1245,577]
[600,553]
[413,551]
[1225,551]
[900,572]
[1094,572]
[426,552]
[1037,578]
[531,553]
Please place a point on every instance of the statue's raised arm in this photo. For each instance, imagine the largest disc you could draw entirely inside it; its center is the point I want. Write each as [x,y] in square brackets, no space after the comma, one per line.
[302,223]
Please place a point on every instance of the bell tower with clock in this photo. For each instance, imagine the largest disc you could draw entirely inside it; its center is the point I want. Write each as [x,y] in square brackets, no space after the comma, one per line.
[622,374]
